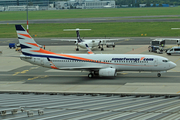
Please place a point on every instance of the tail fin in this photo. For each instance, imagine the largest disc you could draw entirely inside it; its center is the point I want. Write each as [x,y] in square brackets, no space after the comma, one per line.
[78,36]
[28,45]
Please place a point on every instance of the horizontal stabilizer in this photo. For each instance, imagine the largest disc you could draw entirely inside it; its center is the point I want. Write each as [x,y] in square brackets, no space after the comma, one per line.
[77,29]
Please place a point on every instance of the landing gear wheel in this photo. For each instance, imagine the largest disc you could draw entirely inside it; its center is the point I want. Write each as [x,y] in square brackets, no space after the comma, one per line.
[77,49]
[159,74]
[102,48]
[96,73]
[90,75]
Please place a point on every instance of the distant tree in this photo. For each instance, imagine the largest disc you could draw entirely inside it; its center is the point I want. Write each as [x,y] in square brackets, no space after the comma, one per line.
[147,2]
[71,7]
[154,5]
[30,4]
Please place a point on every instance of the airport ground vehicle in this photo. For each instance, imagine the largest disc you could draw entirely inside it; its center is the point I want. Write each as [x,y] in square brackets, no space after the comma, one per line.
[173,50]
[12,45]
[156,44]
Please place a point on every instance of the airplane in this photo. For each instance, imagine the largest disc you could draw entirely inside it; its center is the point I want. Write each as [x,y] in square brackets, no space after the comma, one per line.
[90,42]
[103,65]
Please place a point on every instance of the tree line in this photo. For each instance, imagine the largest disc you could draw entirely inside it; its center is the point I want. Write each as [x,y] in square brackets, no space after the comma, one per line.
[147,2]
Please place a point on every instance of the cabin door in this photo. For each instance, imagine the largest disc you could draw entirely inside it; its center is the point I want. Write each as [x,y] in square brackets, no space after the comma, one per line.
[155,62]
[42,61]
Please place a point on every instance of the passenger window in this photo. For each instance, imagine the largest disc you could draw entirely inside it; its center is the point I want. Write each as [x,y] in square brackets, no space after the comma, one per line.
[176,49]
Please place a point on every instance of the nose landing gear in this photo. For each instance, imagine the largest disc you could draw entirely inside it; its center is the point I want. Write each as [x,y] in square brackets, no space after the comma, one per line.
[159,74]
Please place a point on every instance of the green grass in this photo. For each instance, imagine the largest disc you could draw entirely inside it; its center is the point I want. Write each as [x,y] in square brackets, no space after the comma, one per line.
[135,29]
[89,13]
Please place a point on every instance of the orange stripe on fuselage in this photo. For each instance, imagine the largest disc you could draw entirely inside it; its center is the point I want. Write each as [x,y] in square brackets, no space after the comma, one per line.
[43,51]
[26,35]
[78,58]
[64,55]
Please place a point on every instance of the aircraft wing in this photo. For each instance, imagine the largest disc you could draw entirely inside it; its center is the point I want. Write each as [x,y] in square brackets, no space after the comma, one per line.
[91,39]
[171,39]
[65,39]
[113,39]
[166,38]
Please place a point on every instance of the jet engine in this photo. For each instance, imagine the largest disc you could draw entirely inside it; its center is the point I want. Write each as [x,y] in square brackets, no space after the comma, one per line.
[111,72]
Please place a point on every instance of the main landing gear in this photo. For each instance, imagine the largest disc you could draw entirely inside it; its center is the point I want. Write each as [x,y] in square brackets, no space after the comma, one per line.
[102,48]
[77,49]
[92,74]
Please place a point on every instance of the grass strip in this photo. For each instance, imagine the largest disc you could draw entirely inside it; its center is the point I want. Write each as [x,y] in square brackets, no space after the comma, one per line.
[125,29]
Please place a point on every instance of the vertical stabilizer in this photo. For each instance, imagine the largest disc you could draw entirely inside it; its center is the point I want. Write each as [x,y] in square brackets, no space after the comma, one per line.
[78,36]
[26,41]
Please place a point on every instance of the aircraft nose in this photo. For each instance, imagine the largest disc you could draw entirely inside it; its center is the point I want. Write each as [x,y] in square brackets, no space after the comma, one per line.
[172,65]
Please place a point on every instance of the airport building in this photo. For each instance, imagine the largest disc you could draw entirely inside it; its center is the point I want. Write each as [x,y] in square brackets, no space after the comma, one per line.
[84,4]
[24,2]
[20,5]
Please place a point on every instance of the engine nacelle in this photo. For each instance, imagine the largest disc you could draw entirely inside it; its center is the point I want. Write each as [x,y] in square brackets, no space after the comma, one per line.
[108,72]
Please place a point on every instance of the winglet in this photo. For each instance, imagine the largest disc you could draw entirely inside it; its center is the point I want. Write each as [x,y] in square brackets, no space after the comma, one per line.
[52,64]
[88,49]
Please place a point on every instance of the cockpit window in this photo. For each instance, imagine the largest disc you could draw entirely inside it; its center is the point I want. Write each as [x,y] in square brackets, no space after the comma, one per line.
[165,60]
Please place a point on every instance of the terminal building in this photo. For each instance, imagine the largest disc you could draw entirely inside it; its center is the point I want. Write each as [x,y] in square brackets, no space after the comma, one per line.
[84,4]
[20,5]
[24,2]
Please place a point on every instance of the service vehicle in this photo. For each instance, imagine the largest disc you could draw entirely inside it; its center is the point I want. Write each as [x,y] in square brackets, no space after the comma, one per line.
[173,50]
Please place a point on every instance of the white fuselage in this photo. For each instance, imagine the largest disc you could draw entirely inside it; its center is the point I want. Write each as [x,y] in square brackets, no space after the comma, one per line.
[90,43]
[121,62]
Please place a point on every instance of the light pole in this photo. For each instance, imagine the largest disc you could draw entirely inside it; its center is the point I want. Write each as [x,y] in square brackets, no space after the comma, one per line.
[27,17]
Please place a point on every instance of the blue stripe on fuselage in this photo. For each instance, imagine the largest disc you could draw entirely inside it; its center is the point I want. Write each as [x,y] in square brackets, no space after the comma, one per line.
[45,56]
